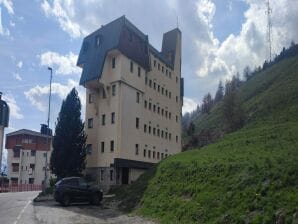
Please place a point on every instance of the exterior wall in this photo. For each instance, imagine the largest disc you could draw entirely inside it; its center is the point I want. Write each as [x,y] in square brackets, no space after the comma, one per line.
[1,143]
[26,159]
[164,138]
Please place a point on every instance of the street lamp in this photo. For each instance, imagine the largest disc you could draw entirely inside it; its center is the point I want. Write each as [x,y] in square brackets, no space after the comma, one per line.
[48,128]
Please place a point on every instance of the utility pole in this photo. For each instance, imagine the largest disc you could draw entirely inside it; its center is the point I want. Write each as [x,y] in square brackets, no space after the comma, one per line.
[269,29]
[48,127]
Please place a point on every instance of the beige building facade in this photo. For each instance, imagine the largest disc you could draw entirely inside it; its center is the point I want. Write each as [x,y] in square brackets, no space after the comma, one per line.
[134,101]
[28,157]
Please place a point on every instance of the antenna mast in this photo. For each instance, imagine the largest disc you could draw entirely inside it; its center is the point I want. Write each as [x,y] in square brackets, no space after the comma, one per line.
[269,27]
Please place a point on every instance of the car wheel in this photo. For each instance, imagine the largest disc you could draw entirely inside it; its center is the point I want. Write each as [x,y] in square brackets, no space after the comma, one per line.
[96,199]
[66,200]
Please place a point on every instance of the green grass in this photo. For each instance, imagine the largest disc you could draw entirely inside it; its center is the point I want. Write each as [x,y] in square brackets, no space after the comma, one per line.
[249,176]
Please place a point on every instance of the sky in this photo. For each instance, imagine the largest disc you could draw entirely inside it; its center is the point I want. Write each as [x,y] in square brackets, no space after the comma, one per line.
[219,38]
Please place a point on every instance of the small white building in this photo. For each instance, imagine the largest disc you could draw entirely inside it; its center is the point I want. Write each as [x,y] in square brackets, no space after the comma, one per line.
[28,156]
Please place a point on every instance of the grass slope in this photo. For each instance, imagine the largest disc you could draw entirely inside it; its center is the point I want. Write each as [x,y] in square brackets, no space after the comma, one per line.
[250,176]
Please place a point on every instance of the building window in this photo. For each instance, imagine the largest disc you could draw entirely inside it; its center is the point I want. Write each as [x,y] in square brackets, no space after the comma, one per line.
[162,69]
[137,149]
[33,153]
[176,138]
[144,152]
[166,71]
[161,155]
[103,119]
[139,71]
[101,175]
[158,88]
[158,109]
[102,147]
[113,118]
[158,132]
[162,90]
[89,149]
[137,122]
[149,153]
[157,155]
[146,80]
[104,94]
[176,99]
[16,153]
[166,92]
[90,123]
[44,154]
[145,103]
[149,129]
[153,154]
[138,97]
[154,107]
[31,180]
[131,66]
[97,41]
[166,135]
[162,110]
[90,98]
[150,83]
[166,113]
[15,167]
[170,74]
[113,62]
[154,63]
[145,128]
[111,175]
[154,130]
[112,146]
[176,79]
[158,66]
[170,115]
[149,105]
[32,167]
[176,118]
[113,90]
[162,134]
[154,85]
[170,136]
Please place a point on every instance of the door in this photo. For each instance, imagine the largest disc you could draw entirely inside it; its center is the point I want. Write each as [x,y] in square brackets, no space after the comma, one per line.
[125,174]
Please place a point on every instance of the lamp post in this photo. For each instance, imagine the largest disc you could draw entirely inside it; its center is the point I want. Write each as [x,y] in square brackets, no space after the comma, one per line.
[48,127]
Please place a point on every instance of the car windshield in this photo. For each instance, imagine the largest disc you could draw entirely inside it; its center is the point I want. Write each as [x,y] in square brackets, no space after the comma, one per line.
[59,182]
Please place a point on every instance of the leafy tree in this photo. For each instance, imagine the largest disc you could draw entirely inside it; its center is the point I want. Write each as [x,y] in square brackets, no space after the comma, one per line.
[219,93]
[69,142]
[247,73]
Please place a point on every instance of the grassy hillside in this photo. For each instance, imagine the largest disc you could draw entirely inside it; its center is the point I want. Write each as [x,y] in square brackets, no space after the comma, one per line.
[249,176]
[269,95]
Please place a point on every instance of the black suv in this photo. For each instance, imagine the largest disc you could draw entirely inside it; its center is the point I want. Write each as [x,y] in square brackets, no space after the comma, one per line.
[76,189]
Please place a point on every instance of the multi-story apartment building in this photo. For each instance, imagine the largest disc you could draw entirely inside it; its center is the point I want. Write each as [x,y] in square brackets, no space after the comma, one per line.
[134,97]
[28,153]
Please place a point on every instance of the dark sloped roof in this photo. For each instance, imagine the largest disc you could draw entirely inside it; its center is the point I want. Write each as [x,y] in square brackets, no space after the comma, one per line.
[26,132]
[112,36]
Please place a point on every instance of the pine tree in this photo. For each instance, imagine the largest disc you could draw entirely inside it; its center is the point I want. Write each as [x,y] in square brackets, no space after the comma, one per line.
[219,93]
[191,129]
[69,142]
[207,103]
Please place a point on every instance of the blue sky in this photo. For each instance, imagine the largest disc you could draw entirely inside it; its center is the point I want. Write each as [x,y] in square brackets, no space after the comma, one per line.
[220,37]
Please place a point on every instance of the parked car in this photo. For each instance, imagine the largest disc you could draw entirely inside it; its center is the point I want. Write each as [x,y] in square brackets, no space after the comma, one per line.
[76,189]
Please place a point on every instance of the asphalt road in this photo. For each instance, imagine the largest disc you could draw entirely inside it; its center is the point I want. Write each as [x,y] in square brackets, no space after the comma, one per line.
[18,208]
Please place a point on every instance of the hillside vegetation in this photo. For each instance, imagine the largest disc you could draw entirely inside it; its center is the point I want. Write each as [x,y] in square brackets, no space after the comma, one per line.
[249,176]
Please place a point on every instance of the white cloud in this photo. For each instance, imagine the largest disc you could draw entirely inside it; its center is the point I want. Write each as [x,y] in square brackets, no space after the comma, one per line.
[8,5]
[64,12]
[63,64]
[20,64]
[38,95]
[3,31]
[17,76]
[14,109]
[189,105]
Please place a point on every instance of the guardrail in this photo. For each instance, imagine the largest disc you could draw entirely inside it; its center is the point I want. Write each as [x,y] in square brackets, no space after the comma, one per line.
[20,187]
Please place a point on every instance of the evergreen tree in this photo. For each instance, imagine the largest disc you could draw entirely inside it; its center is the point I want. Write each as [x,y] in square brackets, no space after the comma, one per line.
[219,93]
[69,142]
[207,103]
[191,129]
